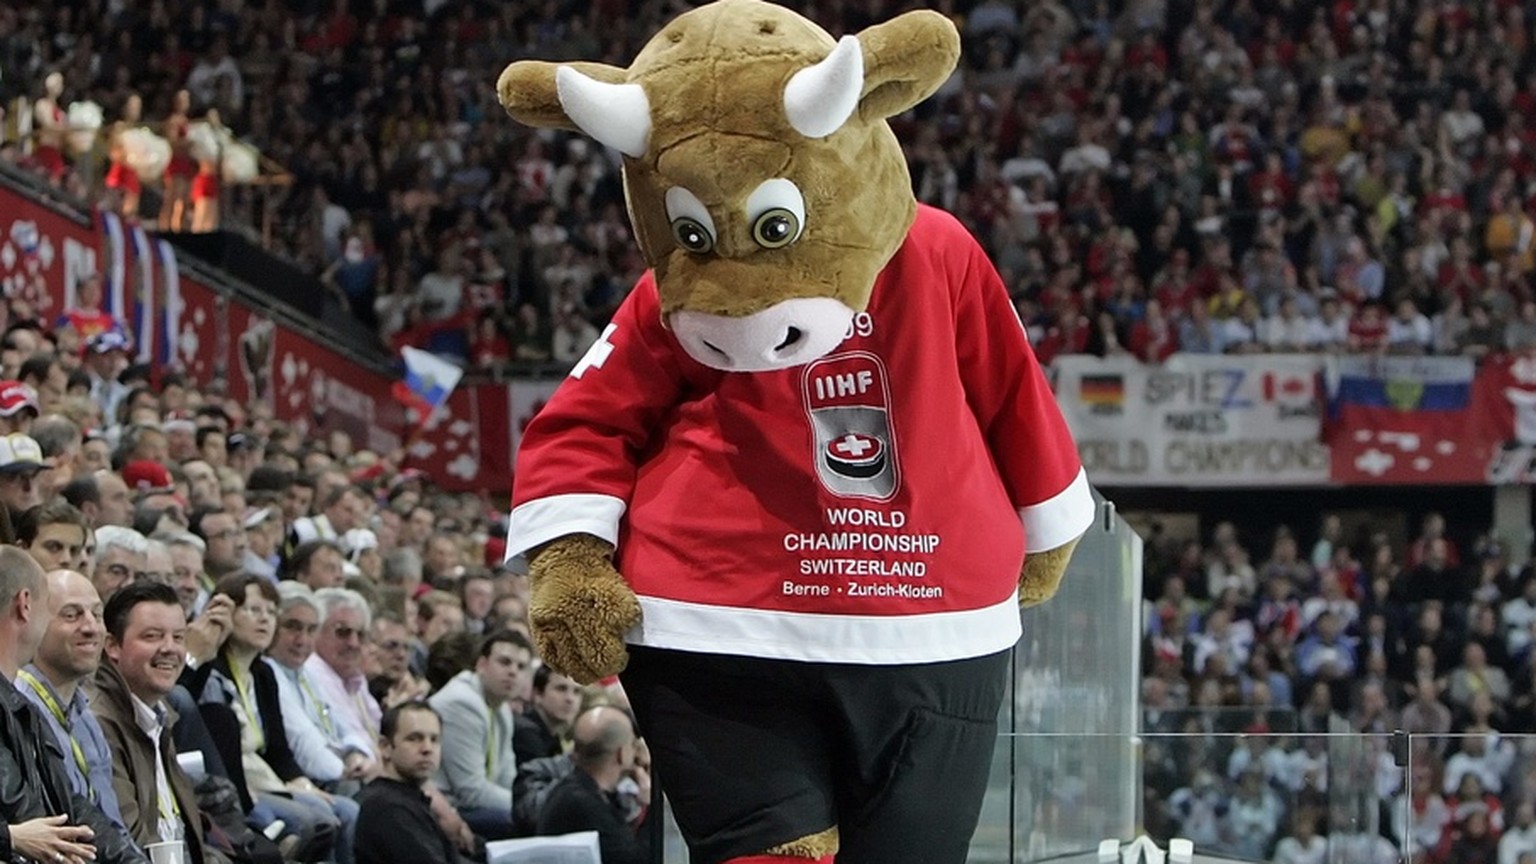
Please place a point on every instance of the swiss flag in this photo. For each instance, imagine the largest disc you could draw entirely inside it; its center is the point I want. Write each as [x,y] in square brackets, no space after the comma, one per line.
[1377,445]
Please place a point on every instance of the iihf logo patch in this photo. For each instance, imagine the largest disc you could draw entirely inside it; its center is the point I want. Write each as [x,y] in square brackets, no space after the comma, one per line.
[848,399]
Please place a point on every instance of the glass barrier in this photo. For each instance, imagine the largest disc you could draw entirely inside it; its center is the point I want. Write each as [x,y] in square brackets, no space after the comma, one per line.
[1469,797]
[1074,671]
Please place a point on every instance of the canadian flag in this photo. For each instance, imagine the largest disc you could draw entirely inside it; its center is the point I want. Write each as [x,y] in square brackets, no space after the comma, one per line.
[1289,387]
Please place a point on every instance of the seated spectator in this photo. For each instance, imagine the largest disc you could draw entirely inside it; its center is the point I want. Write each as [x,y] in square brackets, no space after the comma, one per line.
[1520,838]
[1475,675]
[68,655]
[1482,755]
[1328,653]
[54,534]
[1482,336]
[336,667]
[146,629]
[395,821]
[236,679]
[392,682]
[1408,330]
[546,726]
[478,762]
[606,752]
[319,743]
[121,556]
[316,564]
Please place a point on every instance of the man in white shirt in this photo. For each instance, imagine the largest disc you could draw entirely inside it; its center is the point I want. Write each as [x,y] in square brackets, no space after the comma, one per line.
[1520,838]
[336,667]
[320,745]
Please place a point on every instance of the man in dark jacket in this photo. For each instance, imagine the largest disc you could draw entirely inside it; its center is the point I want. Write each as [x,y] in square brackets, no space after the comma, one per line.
[396,823]
[605,752]
[40,817]
[146,650]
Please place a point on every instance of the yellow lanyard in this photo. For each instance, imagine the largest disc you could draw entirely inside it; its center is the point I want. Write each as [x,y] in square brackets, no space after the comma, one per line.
[58,714]
[243,687]
[492,742]
[324,709]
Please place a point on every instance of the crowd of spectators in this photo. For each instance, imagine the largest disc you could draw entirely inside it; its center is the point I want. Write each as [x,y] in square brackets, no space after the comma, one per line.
[1423,648]
[340,644]
[1150,176]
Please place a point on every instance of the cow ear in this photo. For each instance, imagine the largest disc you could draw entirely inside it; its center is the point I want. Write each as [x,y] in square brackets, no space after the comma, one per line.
[905,60]
[528,91]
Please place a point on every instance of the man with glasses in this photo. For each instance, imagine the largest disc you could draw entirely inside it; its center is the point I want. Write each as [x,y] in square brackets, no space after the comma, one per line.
[394,682]
[224,534]
[336,667]
[327,751]
[121,557]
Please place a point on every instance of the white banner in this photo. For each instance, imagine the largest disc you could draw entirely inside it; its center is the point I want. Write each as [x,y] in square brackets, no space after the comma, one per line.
[1196,420]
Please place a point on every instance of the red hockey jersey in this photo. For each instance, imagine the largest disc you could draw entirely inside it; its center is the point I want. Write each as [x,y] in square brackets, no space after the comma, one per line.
[873,506]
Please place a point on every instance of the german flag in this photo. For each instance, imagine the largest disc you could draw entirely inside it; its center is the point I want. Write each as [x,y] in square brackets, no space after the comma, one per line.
[1102,391]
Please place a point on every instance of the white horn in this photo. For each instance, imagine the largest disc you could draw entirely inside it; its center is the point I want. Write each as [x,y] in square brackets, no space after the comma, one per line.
[617,115]
[819,99]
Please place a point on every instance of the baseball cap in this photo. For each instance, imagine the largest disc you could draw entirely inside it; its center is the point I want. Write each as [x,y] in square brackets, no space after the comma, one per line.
[20,454]
[16,396]
[256,515]
[147,477]
[357,540]
[108,340]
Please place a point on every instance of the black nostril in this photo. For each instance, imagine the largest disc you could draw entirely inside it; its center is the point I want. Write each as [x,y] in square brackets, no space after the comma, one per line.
[716,349]
[790,338]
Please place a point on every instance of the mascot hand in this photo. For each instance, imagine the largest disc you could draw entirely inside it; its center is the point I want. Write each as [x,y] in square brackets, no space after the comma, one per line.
[581,608]
[1042,574]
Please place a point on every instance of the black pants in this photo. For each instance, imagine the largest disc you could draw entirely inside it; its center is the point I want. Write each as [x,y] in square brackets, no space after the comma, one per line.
[753,753]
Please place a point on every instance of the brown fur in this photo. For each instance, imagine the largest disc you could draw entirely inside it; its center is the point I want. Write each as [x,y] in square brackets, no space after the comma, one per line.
[811,846]
[714,78]
[581,608]
[1042,574]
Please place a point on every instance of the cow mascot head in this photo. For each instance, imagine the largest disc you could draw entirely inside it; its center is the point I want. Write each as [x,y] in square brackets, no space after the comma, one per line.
[813,438]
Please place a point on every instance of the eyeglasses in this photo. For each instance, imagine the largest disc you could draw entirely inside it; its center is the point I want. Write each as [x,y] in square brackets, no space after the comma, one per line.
[124,573]
[258,611]
[345,633]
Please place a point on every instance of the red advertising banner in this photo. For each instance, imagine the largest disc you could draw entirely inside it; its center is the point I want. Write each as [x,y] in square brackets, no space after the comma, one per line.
[464,445]
[210,335]
[317,391]
[43,254]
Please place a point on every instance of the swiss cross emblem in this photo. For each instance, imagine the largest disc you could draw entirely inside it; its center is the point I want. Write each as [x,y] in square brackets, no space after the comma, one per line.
[852,446]
[856,455]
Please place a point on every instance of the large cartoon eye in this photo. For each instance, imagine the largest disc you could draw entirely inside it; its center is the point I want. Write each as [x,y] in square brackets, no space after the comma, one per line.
[692,227]
[776,228]
[776,211]
[692,236]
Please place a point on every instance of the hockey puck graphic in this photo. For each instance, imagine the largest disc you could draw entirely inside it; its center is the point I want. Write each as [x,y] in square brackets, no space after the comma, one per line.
[856,455]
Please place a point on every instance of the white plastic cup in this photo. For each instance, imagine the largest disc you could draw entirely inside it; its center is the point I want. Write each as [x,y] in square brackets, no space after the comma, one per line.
[174,852]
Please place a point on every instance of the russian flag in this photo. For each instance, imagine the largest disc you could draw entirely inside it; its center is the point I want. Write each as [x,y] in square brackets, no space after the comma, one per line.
[429,381]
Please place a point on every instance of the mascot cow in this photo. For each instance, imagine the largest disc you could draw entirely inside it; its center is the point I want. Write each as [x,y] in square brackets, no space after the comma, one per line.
[790,491]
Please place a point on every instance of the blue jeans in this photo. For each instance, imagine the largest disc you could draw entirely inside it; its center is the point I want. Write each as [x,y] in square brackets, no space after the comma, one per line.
[304,813]
[488,822]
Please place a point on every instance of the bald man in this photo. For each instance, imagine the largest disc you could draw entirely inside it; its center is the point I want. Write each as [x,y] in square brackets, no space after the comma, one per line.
[69,654]
[606,752]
